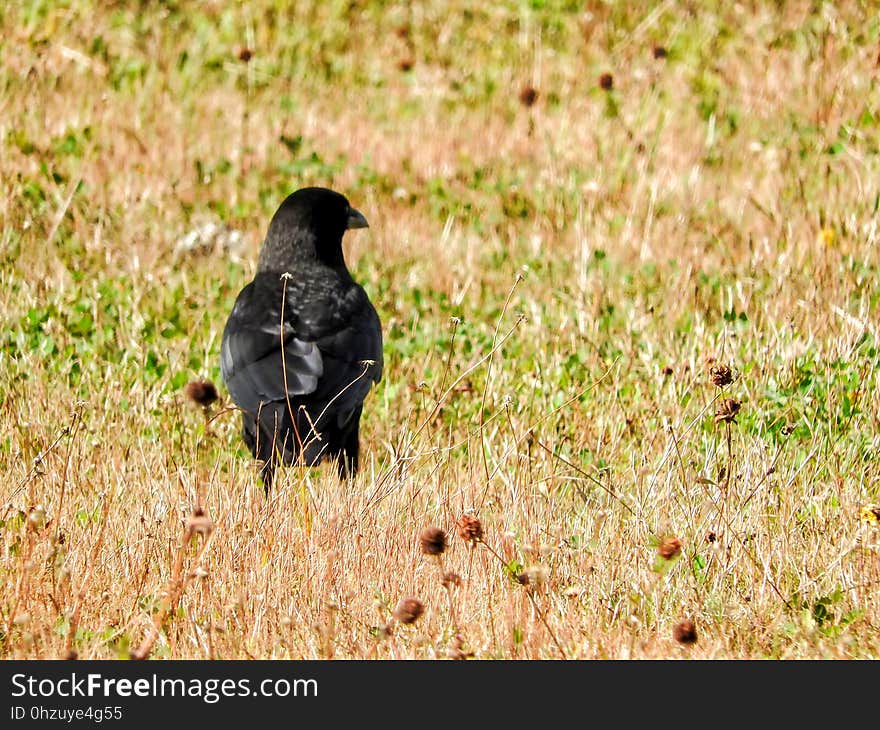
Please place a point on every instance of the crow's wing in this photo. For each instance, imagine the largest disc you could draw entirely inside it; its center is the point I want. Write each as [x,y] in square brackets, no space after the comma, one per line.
[352,358]
[316,356]
[262,358]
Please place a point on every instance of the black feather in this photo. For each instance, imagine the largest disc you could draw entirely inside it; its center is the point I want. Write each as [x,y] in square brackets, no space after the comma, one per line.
[303,344]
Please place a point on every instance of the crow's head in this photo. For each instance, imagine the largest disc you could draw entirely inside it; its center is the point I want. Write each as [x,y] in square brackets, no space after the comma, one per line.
[310,222]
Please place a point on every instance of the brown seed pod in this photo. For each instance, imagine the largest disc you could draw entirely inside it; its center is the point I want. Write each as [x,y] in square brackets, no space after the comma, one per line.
[201,392]
[408,610]
[685,632]
[470,529]
[670,548]
[528,95]
[606,82]
[720,375]
[451,580]
[432,541]
[727,411]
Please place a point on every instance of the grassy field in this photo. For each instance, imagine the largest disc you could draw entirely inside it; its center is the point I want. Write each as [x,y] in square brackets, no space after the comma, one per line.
[626,261]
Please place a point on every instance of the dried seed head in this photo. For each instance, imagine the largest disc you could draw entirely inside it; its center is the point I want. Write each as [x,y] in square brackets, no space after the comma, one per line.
[456,649]
[711,537]
[606,81]
[660,52]
[787,429]
[37,517]
[870,515]
[685,632]
[202,392]
[720,375]
[670,548]
[199,522]
[450,580]
[528,95]
[727,411]
[405,64]
[432,541]
[470,529]
[408,610]
[533,576]
[667,370]
[245,54]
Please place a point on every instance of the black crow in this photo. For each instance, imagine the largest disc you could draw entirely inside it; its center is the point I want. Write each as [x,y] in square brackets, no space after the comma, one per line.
[303,344]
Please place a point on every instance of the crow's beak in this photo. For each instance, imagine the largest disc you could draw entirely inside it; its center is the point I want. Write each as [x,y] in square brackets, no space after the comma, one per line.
[356,219]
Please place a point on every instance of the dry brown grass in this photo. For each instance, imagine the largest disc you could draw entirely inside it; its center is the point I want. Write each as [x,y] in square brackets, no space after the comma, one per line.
[572,411]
